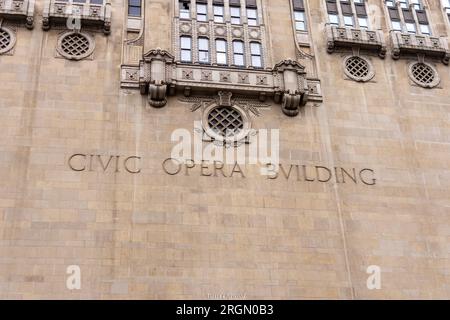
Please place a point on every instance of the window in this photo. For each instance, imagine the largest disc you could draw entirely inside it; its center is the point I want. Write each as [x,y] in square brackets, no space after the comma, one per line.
[363,22]
[349,13]
[186,49]
[300,22]
[134,7]
[252,17]
[334,19]
[255,50]
[348,21]
[221,51]
[235,13]
[446,6]
[202,12]
[411,27]
[411,17]
[218,14]
[238,53]
[203,50]
[185,12]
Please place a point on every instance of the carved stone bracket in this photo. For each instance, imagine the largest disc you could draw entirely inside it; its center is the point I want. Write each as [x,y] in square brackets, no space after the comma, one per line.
[346,37]
[159,76]
[407,44]
[18,10]
[293,86]
[77,15]
[155,76]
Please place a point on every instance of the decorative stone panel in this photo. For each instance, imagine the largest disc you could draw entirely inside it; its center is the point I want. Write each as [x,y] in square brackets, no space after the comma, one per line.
[408,43]
[423,74]
[75,45]
[358,68]
[22,10]
[346,37]
[7,40]
[58,12]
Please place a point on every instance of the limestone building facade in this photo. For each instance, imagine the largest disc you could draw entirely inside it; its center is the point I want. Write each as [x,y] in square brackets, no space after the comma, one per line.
[93,94]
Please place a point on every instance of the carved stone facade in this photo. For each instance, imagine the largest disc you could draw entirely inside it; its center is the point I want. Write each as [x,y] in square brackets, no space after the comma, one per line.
[91,124]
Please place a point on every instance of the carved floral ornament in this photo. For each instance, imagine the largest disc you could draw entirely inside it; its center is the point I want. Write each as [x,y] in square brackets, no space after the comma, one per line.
[286,83]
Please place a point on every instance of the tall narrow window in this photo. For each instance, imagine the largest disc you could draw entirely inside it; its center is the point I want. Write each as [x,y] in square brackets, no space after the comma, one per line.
[300,22]
[221,51]
[238,53]
[255,50]
[446,5]
[218,13]
[252,17]
[134,8]
[202,12]
[185,12]
[186,49]
[203,50]
[235,13]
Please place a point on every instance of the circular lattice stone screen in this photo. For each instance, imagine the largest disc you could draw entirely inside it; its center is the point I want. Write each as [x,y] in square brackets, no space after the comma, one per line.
[6,40]
[225,121]
[75,46]
[423,73]
[358,69]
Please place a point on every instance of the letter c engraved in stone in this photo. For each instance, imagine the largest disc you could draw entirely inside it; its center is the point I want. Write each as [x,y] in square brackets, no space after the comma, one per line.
[125,164]
[70,162]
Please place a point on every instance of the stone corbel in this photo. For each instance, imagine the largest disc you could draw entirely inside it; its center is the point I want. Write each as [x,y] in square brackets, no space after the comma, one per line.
[154,76]
[157,93]
[293,91]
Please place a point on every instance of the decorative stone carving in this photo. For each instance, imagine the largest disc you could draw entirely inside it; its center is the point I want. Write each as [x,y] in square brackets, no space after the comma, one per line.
[75,45]
[185,28]
[243,78]
[358,68]
[423,74]
[203,29]
[18,10]
[286,83]
[226,119]
[58,12]
[225,77]
[7,40]
[154,77]
[408,43]
[187,74]
[294,87]
[345,37]
[206,75]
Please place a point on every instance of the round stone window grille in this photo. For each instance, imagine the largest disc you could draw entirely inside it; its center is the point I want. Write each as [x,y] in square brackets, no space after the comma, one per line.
[358,69]
[7,40]
[424,74]
[75,45]
[227,124]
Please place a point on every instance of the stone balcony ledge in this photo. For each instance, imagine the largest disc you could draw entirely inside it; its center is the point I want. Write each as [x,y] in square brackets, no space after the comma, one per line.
[89,14]
[347,37]
[18,10]
[408,43]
